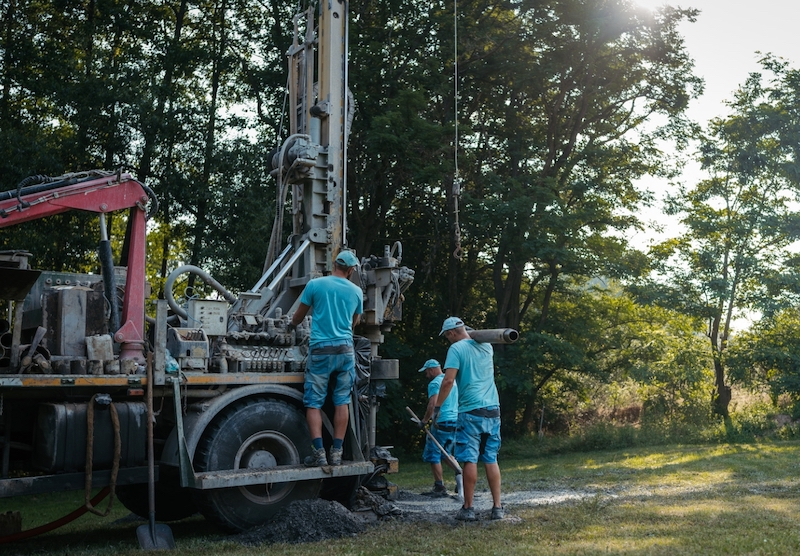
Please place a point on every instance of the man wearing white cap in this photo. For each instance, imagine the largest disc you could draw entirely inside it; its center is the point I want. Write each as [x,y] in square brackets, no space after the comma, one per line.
[470,365]
[336,304]
[444,424]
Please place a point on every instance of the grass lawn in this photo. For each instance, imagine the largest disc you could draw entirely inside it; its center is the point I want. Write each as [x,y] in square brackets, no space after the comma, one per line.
[720,499]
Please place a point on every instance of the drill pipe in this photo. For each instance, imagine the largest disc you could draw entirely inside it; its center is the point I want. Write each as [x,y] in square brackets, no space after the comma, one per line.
[494,335]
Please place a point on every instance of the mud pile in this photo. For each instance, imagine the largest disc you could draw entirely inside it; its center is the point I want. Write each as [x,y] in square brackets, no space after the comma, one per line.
[304,521]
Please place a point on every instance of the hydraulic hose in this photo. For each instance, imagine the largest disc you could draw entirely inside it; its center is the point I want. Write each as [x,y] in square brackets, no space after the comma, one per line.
[109,280]
[89,505]
[40,184]
[170,282]
[22,535]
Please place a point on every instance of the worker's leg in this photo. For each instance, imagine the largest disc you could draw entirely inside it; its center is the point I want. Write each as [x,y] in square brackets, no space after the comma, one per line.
[315,390]
[345,364]
[341,416]
[436,469]
[493,477]
[314,418]
[467,450]
[470,479]
[490,446]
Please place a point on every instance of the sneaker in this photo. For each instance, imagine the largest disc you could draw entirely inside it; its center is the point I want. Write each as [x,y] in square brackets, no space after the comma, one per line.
[336,456]
[498,513]
[466,514]
[316,459]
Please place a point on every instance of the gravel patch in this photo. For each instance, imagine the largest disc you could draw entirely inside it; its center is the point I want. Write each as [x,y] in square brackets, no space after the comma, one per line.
[315,520]
[305,521]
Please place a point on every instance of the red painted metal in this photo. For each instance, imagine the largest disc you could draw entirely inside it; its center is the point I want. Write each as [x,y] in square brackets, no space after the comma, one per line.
[104,194]
[131,334]
[101,195]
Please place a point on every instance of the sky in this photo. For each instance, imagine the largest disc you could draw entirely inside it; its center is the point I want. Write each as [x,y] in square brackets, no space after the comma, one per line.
[723,42]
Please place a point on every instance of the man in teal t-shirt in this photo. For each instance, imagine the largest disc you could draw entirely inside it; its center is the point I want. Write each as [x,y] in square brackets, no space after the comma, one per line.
[336,304]
[443,427]
[470,365]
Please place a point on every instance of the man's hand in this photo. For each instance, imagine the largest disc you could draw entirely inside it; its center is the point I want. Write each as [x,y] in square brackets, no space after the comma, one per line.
[292,327]
[421,424]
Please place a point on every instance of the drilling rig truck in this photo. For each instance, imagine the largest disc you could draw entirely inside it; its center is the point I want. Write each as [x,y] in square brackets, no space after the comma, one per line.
[79,356]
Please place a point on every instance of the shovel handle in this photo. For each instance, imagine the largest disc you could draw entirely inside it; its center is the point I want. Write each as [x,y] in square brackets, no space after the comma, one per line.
[451,461]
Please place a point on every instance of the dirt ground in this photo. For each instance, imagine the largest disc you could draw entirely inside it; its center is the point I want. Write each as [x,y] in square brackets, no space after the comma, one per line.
[316,520]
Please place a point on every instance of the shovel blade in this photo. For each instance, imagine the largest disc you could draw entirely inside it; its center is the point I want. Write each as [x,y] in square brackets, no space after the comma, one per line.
[460,486]
[155,537]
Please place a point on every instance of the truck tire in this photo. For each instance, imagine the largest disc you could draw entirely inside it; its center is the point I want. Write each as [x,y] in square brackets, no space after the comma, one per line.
[172,501]
[253,433]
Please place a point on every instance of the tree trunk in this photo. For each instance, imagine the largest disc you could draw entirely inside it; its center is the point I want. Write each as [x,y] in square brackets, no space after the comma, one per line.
[722,396]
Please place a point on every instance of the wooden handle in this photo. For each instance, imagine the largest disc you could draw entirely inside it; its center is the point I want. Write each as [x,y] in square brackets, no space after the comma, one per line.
[451,461]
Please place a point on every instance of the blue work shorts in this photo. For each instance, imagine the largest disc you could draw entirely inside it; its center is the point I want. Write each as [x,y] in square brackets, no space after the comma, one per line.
[447,438]
[319,369]
[477,438]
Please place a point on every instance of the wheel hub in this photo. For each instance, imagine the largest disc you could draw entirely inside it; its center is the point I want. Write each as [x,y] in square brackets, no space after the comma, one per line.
[263,450]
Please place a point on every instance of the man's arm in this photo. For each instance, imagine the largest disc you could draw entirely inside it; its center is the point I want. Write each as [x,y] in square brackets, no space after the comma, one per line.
[356,319]
[299,314]
[429,409]
[447,385]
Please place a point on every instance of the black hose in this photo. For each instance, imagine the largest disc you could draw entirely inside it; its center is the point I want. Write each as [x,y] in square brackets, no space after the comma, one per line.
[153,200]
[38,187]
[109,281]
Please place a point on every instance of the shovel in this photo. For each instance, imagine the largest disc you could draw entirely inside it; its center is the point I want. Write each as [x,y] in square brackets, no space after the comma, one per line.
[154,536]
[449,460]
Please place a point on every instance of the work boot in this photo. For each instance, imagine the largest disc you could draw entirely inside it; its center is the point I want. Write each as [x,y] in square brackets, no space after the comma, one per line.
[316,459]
[466,514]
[438,491]
[336,456]
[498,512]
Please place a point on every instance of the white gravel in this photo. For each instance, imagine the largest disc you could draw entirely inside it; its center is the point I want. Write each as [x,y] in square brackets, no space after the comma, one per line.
[418,507]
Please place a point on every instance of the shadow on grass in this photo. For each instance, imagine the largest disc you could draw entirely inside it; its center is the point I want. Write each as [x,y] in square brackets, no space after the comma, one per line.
[717,499]
[99,536]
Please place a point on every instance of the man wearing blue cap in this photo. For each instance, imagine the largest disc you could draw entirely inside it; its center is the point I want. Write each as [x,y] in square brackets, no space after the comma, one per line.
[470,365]
[336,304]
[444,424]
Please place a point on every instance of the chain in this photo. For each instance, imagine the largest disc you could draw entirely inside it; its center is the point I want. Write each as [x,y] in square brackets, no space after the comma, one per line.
[457,252]
[456,177]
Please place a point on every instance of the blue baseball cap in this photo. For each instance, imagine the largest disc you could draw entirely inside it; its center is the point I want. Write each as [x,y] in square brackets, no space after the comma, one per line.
[451,323]
[429,364]
[347,258]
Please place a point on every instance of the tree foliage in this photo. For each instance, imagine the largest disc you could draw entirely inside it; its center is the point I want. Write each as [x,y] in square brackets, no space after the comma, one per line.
[562,106]
[735,255]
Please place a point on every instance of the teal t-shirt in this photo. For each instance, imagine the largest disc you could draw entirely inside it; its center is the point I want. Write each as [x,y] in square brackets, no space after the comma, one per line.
[449,409]
[333,301]
[475,377]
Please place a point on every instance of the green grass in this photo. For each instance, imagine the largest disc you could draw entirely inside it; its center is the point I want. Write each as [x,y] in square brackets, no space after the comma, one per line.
[698,499]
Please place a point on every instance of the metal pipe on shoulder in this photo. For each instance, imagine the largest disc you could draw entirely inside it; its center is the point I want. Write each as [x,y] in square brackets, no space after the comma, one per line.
[494,335]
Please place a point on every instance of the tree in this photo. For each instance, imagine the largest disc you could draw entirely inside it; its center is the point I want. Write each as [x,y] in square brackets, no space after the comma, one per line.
[734,257]
[557,157]
[552,175]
